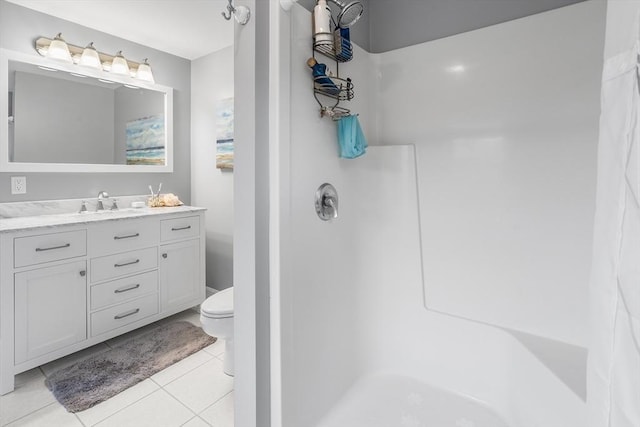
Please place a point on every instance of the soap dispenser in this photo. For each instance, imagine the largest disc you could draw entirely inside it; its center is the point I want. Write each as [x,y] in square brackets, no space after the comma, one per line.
[322,24]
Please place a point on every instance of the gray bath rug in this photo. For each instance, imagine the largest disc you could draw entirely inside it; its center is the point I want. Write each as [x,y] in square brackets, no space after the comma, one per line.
[96,379]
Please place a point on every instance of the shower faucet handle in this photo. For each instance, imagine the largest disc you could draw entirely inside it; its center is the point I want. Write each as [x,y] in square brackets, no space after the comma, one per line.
[327,202]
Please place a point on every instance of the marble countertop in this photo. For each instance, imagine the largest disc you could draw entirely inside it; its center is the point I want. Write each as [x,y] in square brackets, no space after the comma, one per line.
[52,220]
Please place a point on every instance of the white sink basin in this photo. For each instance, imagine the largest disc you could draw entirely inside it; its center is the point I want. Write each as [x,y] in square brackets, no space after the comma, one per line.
[112,213]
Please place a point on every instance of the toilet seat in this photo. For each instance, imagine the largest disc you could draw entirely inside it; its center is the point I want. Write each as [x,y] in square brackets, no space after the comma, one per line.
[218,305]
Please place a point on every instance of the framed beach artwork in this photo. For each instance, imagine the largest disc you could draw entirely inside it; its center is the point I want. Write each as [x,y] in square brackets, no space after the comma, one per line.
[224,134]
[145,141]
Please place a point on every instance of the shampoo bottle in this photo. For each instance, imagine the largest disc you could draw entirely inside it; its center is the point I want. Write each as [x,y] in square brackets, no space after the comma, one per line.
[322,23]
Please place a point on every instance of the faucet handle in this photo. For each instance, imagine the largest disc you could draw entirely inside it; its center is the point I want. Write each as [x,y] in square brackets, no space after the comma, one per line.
[327,202]
[114,206]
[329,206]
[83,206]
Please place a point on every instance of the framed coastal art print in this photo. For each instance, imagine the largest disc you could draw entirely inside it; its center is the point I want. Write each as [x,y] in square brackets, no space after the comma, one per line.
[224,134]
[145,141]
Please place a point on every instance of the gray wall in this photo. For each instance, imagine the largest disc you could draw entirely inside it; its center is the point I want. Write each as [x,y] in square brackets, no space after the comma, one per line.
[19,27]
[212,188]
[392,24]
[399,23]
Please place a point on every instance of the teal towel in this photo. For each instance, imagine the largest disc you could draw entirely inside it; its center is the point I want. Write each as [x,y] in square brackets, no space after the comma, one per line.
[350,138]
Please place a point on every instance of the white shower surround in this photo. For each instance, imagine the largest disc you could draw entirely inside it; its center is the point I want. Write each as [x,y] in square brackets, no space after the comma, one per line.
[351,297]
[505,121]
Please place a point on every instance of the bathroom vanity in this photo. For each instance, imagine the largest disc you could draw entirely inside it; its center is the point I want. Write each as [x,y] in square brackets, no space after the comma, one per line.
[70,281]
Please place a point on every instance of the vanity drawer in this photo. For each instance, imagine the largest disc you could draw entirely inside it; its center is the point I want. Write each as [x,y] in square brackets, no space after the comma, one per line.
[121,290]
[179,228]
[123,264]
[49,247]
[124,235]
[123,314]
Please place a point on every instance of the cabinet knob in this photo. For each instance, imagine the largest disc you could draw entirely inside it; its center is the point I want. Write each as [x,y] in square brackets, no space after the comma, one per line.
[164,255]
[83,273]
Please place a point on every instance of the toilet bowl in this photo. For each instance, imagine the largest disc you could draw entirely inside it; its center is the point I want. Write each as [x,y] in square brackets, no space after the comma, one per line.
[216,317]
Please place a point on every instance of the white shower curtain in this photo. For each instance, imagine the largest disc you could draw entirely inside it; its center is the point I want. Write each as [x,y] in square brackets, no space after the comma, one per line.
[614,356]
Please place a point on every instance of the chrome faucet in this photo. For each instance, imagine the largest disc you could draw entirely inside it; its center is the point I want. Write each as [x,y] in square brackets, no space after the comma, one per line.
[101,196]
[327,202]
[330,206]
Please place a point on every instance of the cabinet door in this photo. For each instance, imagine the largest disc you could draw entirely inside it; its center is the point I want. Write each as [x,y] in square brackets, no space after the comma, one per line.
[50,309]
[180,278]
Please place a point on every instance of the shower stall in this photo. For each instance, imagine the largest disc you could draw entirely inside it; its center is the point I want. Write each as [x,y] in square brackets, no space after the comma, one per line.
[452,288]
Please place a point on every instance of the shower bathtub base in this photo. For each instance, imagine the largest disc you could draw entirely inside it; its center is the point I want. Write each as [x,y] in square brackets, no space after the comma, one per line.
[384,400]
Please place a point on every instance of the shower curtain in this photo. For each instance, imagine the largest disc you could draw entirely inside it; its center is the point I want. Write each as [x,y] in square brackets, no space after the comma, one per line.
[614,355]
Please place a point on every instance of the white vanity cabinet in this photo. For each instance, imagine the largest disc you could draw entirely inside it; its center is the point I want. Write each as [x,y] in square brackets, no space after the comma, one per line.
[50,305]
[69,286]
[179,273]
[124,288]
[178,268]
[49,292]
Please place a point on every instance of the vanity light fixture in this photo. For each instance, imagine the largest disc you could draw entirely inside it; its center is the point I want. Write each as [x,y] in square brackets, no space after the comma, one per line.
[144,72]
[58,49]
[119,65]
[90,57]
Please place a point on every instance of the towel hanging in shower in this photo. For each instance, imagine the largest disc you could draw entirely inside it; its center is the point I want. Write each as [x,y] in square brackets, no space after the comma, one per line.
[351,138]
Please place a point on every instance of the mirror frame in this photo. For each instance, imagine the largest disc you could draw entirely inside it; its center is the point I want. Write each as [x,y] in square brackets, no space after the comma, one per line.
[7,166]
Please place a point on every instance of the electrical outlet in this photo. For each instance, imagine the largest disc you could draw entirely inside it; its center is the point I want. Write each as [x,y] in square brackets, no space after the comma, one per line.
[18,185]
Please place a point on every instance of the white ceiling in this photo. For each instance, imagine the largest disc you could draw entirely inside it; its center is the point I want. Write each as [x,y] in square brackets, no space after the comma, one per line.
[186,28]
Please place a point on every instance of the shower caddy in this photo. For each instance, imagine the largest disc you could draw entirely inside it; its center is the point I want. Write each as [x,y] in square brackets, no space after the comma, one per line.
[333,87]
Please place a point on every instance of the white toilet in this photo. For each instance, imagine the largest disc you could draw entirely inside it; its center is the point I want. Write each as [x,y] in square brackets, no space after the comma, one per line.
[216,317]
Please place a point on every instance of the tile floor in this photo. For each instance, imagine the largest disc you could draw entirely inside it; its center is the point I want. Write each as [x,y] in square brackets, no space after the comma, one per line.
[191,393]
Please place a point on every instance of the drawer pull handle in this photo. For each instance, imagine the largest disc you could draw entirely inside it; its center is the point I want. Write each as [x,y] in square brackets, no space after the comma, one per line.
[127,263]
[53,247]
[83,273]
[180,228]
[127,314]
[126,237]
[129,288]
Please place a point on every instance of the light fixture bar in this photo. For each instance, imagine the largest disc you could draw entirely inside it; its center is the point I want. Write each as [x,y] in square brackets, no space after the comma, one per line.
[42,46]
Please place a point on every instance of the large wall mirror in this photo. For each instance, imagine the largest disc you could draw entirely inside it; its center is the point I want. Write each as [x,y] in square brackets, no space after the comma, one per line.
[61,117]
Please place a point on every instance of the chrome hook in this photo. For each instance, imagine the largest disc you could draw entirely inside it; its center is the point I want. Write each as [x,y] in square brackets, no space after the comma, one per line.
[240,13]
[230,11]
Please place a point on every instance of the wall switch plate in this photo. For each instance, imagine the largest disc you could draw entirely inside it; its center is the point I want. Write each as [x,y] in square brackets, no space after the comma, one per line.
[18,185]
